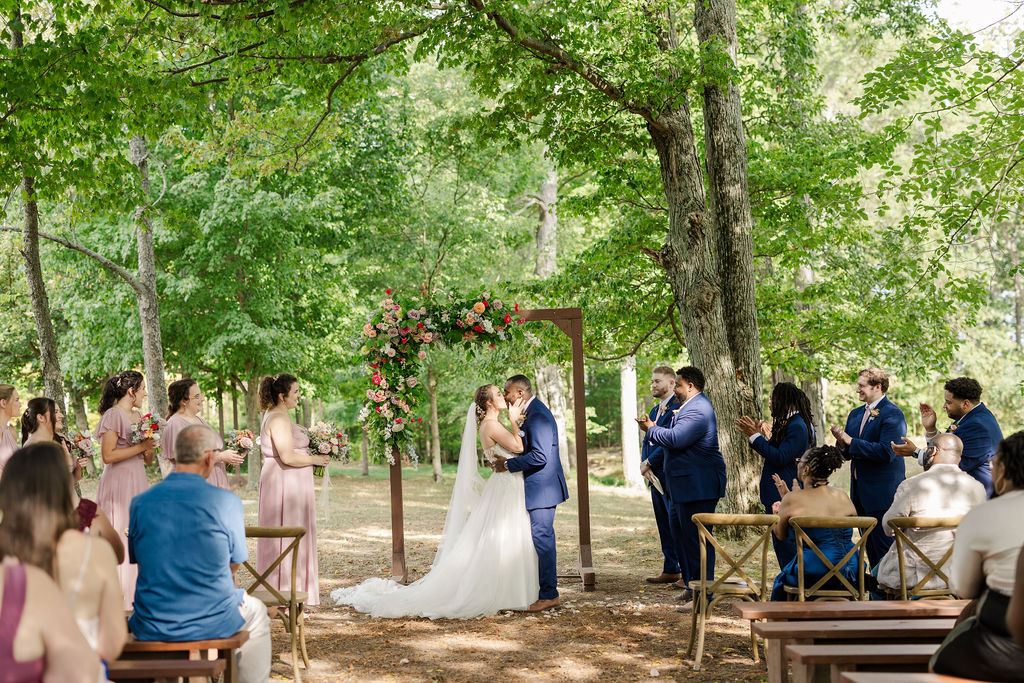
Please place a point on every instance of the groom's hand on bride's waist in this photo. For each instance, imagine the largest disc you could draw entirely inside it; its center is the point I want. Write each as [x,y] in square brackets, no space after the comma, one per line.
[498,464]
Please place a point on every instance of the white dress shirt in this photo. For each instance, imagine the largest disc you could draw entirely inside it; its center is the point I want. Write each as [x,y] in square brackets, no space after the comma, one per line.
[986,547]
[942,491]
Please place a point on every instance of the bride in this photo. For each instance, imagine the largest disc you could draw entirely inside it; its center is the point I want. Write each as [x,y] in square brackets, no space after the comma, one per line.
[486,561]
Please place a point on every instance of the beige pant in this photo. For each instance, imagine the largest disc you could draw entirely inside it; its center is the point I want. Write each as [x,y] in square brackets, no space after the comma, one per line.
[166,466]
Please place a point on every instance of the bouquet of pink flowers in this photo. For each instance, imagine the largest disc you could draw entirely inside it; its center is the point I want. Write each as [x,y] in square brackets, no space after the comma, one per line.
[240,440]
[326,439]
[148,426]
[81,445]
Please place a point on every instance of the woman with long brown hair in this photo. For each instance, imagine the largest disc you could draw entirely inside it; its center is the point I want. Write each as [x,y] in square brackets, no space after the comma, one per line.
[286,486]
[39,528]
[124,463]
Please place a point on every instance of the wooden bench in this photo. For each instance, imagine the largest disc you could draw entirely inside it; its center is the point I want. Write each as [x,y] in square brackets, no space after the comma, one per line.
[163,650]
[827,662]
[779,634]
[860,609]
[137,671]
[865,677]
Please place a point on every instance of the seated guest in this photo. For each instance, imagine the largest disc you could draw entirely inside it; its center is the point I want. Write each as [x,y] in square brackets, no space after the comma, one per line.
[984,561]
[1015,613]
[815,499]
[38,637]
[973,423]
[36,503]
[188,538]
[792,433]
[942,490]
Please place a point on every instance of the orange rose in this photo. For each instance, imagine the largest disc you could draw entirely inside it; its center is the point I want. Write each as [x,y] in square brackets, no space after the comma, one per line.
[479,306]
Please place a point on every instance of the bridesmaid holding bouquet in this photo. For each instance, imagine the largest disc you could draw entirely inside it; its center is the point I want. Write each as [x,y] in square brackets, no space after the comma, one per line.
[124,463]
[185,402]
[10,407]
[286,486]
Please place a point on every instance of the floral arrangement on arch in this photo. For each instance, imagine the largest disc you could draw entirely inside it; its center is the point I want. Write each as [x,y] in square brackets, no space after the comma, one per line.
[396,339]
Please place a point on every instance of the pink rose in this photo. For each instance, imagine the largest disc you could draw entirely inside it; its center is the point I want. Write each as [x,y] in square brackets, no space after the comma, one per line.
[412,381]
[324,448]
[391,353]
[422,354]
[245,442]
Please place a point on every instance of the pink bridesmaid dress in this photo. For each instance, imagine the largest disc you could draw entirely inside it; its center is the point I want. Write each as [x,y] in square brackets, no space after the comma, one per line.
[119,483]
[219,474]
[286,499]
[8,444]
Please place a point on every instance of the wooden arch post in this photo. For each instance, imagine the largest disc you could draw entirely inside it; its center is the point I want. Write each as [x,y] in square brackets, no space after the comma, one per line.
[570,321]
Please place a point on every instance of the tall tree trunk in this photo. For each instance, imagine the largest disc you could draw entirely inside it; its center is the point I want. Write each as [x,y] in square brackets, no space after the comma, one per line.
[81,422]
[690,263]
[307,412]
[252,423]
[366,454]
[53,382]
[549,380]
[729,203]
[220,406]
[816,389]
[234,408]
[149,309]
[630,429]
[435,431]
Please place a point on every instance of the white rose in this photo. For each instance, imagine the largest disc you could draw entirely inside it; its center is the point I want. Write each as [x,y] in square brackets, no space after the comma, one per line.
[397,427]
[412,381]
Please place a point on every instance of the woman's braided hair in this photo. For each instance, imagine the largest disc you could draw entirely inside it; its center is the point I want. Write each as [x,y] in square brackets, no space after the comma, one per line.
[480,398]
[822,461]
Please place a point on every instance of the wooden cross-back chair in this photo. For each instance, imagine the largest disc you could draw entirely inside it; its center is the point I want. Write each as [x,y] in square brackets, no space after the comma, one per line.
[734,582]
[823,588]
[271,596]
[936,569]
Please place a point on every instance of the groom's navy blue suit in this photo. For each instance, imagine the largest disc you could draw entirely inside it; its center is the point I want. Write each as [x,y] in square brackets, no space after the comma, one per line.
[545,488]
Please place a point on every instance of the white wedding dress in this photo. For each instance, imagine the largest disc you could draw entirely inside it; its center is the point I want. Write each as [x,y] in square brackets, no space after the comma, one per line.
[486,561]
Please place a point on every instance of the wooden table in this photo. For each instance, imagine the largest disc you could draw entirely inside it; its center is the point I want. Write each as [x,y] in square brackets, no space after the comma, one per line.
[810,662]
[857,609]
[779,634]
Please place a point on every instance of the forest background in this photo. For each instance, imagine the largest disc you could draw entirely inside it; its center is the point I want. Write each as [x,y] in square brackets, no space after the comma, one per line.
[785,189]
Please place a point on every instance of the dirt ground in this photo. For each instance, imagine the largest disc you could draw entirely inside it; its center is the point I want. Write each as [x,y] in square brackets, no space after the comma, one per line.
[623,630]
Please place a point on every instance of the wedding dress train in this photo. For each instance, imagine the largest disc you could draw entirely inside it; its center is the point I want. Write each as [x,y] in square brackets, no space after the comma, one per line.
[486,561]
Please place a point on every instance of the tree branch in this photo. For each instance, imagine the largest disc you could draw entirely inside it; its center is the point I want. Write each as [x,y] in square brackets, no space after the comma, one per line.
[118,270]
[636,347]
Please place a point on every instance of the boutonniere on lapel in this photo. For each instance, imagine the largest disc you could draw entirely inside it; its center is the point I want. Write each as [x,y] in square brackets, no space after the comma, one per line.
[874,414]
[952,427]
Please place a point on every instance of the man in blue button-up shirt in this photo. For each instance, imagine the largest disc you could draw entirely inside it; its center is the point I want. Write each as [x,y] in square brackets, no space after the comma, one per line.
[188,538]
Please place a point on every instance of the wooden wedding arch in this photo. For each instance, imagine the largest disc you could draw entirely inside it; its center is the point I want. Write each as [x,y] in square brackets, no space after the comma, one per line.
[570,321]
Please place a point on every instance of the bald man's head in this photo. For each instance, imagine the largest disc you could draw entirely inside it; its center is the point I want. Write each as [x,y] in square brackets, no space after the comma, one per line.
[948,448]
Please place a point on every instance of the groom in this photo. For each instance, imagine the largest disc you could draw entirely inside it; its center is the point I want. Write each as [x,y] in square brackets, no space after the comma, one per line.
[543,480]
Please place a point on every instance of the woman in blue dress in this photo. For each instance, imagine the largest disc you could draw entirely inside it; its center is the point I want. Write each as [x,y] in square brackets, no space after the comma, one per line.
[816,499]
[792,433]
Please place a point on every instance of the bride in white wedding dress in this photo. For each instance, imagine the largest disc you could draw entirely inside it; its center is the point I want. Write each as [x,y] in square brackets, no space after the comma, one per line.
[486,561]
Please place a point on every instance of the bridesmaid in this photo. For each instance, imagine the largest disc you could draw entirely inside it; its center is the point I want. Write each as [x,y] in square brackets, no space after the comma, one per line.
[185,402]
[124,463]
[286,486]
[10,407]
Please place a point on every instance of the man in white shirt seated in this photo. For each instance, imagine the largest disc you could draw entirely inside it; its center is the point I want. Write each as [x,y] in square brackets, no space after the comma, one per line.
[942,490]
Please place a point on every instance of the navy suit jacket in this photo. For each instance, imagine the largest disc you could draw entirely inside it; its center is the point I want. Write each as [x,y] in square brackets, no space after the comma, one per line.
[781,458]
[980,434]
[539,462]
[875,471]
[651,452]
[694,467]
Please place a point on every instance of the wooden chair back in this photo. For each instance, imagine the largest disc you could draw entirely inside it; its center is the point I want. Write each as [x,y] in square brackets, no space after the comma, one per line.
[734,573]
[817,590]
[900,527]
[295,533]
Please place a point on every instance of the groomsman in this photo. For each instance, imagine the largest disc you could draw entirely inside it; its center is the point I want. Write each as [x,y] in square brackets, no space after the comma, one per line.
[652,458]
[875,470]
[973,423]
[694,469]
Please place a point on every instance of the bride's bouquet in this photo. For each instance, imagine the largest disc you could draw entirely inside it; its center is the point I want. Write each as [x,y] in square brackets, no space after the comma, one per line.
[326,439]
[81,445]
[240,440]
[148,426]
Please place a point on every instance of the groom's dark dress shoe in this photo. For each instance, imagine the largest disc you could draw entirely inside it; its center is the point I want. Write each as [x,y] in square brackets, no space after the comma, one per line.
[664,578]
[543,605]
